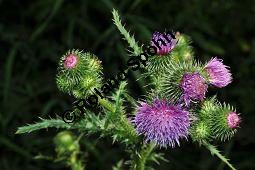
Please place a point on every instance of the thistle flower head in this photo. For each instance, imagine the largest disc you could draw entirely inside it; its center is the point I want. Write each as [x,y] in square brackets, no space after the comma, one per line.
[233,120]
[194,87]
[70,61]
[162,122]
[219,75]
[164,42]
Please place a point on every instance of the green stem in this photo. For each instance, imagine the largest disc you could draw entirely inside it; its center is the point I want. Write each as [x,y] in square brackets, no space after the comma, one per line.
[214,151]
[76,164]
[130,39]
[106,104]
[123,119]
[143,156]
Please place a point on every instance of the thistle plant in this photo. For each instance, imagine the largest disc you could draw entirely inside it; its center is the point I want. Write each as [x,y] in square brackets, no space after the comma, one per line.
[177,106]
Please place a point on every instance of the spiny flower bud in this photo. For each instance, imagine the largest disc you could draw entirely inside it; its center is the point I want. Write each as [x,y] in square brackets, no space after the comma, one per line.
[171,47]
[207,108]
[219,74]
[224,122]
[183,51]
[79,73]
[200,131]
[165,44]
[162,122]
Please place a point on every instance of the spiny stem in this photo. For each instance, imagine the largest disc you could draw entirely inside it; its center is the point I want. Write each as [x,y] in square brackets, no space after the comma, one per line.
[123,119]
[214,151]
[143,156]
[76,164]
[106,104]
[130,39]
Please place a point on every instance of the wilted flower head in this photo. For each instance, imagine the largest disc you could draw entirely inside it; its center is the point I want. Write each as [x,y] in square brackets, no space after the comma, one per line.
[219,75]
[164,42]
[233,120]
[70,61]
[162,122]
[193,87]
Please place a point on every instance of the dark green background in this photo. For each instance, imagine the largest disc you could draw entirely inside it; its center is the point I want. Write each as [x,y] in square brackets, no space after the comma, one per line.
[34,35]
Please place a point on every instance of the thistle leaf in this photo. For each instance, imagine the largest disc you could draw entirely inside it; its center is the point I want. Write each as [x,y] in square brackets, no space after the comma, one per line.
[45,123]
[214,151]
[130,39]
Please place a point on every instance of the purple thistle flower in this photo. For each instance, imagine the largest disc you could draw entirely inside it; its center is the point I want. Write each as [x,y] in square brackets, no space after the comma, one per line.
[164,43]
[162,122]
[233,120]
[194,87]
[219,75]
[70,61]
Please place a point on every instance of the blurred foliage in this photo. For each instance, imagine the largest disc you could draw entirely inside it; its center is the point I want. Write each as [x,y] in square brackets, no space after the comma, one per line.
[35,34]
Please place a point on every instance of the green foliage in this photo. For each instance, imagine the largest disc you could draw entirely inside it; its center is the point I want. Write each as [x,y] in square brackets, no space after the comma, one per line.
[119,125]
[142,157]
[65,143]
[113,120]
[214,151]
[44,124]
[68,149]
[130,39]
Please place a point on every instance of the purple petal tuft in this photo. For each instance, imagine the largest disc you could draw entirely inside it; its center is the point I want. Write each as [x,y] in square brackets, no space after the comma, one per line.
[163,49]
[194,87]
[162,122]
[219,74]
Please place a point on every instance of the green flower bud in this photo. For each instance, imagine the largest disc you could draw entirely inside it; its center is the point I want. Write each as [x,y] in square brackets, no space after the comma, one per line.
[65,143]
[200,131]
[183,50]
[224,122]
[79,73]
[208,108]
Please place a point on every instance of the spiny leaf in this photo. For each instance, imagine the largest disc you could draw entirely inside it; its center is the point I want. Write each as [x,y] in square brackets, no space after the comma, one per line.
[214,151]
[130,39]
[45,123]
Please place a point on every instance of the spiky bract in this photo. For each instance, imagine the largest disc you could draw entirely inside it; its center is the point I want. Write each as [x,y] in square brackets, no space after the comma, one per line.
[78,73]
[200,131]
[220,122]
[162,122]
